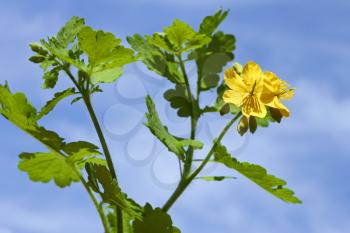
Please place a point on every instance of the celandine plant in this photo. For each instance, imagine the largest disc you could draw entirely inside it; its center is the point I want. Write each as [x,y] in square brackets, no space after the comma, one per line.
[89,58]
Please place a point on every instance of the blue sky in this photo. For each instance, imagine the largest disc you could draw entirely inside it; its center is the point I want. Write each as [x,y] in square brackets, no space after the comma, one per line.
[306,43]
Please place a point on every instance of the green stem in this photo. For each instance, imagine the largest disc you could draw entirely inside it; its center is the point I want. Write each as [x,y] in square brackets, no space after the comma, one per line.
[100,135]
[194,120]
[87,101]
[98,207]
[107,155]
[185,182]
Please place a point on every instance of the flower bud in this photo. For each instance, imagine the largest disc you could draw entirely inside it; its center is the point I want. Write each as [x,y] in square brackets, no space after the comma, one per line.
[38,48]
[238,68]
[37,59]
[242,126]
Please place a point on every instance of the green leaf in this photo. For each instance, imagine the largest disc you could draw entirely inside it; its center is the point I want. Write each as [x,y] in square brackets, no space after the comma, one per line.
[215,178]
[209,81]
[173,143]
[160,40]
[210,23]
[69,32]
[257,174]
[180,100]
[154,220]
[111,193]
[211,59]
[64,54]
[60,44]
[156,60]
[106,55]
[53,102]
[179,38]
[17,109]
[51,77]
[59,47]
[81,153]
[52,165]
[45,167]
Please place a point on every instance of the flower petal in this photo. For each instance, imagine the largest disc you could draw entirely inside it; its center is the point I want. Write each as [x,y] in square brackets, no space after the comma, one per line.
[272,81]
[252,106]
[234,81]
[267,96]
[233,97]
[276,103]
[251,73]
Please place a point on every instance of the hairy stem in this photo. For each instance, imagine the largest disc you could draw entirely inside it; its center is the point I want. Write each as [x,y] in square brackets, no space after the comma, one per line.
[87,101]
[185,182]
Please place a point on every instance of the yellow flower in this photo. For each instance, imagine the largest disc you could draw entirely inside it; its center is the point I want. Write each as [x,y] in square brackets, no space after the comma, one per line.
[246,91]
[274,91]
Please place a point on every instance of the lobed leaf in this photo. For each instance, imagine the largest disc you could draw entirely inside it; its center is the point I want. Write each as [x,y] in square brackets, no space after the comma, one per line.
[154,220]
[69,32]
[81,152]
[178,38]
[211,59]
[180,100]
[106,55]
[50,77]
[156,60]
[52,165]
[99,175]
[210,23]
[257,174]
[58,46]
[17,109]
[44,167]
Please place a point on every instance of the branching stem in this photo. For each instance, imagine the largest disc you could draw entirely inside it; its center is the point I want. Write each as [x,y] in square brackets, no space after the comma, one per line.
[185,182]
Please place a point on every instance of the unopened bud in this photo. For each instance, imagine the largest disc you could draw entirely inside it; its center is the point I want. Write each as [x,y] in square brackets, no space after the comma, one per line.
[37,59]
[238,68]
